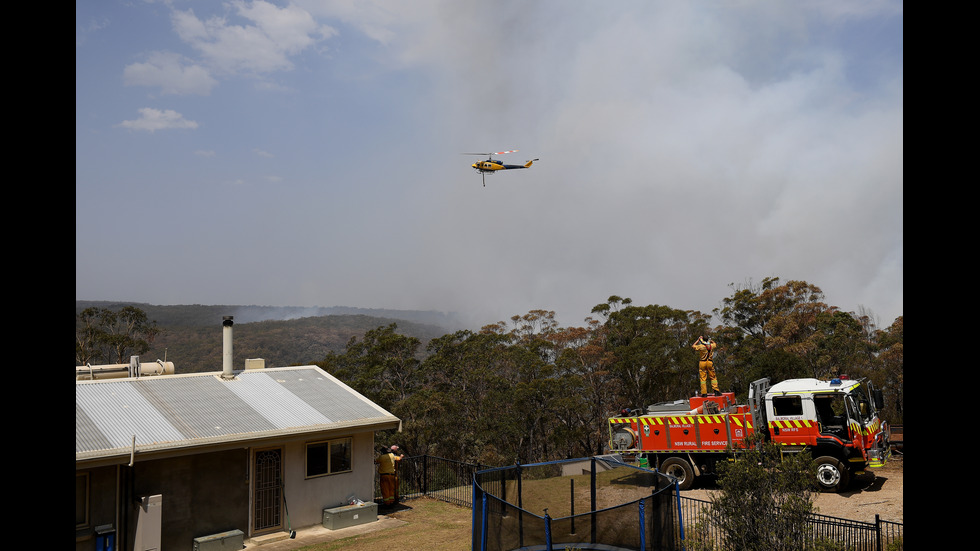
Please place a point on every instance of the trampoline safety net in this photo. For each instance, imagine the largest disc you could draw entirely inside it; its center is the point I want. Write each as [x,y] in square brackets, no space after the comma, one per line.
[590,503]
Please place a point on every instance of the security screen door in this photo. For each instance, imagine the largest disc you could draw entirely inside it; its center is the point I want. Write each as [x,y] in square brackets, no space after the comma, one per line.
[267,491]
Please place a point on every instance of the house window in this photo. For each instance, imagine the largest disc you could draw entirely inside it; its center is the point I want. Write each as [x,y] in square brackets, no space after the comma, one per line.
[328,457]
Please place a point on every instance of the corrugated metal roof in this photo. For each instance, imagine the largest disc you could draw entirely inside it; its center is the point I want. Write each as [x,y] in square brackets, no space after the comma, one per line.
[180,411]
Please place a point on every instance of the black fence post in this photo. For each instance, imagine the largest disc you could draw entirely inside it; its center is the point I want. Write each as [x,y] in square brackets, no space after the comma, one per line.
[877,532]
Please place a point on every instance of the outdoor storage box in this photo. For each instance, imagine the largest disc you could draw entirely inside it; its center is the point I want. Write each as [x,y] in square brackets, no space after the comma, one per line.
[225,541]
[349,515]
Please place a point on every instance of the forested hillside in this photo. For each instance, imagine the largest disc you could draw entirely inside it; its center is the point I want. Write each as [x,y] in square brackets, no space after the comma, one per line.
[209,315]
[530,390]
[190,336]
[527,390]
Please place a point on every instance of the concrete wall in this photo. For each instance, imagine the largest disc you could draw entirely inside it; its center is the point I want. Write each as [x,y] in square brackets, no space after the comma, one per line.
[308,497]
[202,494]
[209,493]
[101,511]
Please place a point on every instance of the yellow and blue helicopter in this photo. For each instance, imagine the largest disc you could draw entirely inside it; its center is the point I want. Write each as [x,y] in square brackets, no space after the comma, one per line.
[491,165]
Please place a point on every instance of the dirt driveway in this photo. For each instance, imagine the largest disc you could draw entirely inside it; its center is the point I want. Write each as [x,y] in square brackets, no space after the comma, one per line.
[877,492]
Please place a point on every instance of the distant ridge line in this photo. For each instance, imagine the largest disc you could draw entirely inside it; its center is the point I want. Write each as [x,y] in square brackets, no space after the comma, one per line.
[211,314]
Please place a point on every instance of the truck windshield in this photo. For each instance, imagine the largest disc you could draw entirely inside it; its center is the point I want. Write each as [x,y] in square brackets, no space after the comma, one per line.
[865,408]
[860,409]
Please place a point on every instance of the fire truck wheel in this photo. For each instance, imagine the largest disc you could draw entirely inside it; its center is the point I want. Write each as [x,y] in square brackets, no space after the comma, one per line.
[679,469]
[832,475]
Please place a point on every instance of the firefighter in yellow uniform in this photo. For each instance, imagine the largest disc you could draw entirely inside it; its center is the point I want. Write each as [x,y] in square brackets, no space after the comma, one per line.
[706,350]
[388,469]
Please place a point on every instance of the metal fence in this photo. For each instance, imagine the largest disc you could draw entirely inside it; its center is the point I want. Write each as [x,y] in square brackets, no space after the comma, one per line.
[452,481]
[880,535]
[436,477]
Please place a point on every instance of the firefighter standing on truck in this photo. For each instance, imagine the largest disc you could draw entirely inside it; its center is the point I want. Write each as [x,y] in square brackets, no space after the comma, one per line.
[388,469]
[706,350]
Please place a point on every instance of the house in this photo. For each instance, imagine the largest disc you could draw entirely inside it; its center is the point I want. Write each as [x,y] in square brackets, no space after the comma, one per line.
[171,461]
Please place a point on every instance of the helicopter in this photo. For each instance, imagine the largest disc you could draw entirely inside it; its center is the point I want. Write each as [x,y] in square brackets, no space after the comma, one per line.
[491,165]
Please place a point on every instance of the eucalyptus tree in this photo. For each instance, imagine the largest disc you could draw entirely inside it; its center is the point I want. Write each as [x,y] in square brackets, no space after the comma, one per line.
[840,347]
[472,376]
[761,323]
[651,346]
[104,335]
[889,375]
[589,389]
[529,424]
[382,365]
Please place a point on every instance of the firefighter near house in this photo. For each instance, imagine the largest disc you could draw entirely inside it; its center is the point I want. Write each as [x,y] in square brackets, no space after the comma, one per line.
[836,421]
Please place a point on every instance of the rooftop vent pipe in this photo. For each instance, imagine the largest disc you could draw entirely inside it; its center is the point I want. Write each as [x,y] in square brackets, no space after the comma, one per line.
[227,358]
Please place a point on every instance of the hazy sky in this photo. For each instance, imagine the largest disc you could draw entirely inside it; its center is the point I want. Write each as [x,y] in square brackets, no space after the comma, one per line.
[310,153]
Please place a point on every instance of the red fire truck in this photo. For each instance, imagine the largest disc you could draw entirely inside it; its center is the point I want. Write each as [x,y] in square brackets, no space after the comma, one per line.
[836,421]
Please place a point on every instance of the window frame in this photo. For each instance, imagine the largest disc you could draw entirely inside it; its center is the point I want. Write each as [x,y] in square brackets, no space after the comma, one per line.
[331,469]
[83,484]
[789,405]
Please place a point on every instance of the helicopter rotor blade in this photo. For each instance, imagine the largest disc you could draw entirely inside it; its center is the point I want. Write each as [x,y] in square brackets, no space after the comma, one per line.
[494,153]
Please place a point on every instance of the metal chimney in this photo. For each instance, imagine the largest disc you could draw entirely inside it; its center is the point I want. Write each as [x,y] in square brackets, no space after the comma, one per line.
[227,371]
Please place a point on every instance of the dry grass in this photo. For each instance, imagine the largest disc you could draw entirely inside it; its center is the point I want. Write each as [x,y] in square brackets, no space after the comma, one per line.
[432,525]
[435,525]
